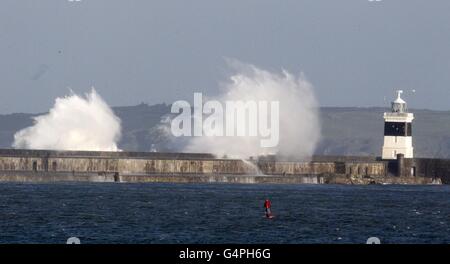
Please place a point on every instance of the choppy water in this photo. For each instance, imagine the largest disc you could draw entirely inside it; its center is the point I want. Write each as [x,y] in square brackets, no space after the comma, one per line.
[219,213]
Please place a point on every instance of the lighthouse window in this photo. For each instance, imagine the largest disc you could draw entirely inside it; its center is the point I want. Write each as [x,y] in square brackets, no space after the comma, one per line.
[397,129]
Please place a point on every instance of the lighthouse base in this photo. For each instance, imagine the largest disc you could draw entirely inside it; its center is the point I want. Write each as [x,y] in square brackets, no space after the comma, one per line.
[391,153]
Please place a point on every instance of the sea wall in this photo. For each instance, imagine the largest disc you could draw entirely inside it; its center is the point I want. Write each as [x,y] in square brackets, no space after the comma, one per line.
[436,169]
[41,165]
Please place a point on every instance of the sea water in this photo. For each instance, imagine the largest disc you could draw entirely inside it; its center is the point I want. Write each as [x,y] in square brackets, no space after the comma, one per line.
[222,213]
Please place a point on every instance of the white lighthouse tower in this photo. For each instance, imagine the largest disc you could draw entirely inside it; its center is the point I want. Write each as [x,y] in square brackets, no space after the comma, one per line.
[398,130]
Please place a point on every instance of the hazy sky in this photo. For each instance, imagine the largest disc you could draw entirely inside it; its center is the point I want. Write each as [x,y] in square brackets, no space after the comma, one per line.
[355,52]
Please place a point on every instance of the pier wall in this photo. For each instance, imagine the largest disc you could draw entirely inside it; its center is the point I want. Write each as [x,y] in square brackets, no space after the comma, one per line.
[49,161]
[436,169]
[41,165]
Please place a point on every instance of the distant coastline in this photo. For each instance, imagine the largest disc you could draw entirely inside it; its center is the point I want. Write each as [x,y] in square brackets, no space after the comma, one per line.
[346,131]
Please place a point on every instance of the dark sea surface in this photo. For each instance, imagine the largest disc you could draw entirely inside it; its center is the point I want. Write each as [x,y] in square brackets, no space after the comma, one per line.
[222,213]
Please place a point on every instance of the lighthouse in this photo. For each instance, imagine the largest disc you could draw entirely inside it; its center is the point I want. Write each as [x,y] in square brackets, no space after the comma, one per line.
[398,130]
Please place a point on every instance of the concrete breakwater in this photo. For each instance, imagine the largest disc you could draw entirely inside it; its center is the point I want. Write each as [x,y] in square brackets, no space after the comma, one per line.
[50,166]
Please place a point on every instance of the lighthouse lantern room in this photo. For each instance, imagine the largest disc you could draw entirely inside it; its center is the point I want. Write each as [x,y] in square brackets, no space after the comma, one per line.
[398,130]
